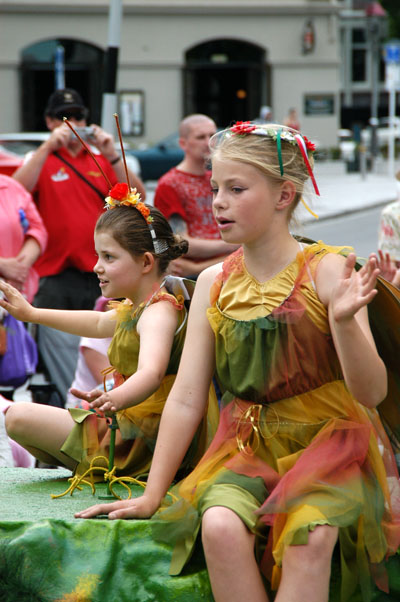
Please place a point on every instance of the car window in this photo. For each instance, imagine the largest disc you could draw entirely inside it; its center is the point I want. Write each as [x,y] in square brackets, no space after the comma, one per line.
[171,141]
[20,147]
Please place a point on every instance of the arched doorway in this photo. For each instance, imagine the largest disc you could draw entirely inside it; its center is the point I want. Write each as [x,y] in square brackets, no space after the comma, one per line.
[226,79]
[83,71]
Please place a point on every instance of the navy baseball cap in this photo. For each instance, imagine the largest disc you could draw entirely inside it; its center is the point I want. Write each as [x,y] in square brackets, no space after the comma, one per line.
[66,102]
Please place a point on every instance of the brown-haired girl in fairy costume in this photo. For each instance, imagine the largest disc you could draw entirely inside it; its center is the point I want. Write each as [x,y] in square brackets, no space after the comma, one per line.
[134,245]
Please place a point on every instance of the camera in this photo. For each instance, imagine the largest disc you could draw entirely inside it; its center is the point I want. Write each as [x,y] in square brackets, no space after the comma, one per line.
[84,132]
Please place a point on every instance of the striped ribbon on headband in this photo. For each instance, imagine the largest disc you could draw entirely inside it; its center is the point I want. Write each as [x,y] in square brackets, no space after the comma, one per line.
[279,149]
[303,150]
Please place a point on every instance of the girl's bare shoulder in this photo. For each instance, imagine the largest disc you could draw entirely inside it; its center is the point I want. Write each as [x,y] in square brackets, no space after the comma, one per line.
[329,270]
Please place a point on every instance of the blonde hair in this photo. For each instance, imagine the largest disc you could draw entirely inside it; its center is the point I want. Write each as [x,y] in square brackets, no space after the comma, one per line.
[260,151]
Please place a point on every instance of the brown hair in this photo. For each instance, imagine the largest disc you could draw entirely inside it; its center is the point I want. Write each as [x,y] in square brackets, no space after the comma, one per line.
[131,231]
[261,152]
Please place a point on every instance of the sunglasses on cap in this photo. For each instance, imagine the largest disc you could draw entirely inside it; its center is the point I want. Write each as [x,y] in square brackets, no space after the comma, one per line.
[71,114]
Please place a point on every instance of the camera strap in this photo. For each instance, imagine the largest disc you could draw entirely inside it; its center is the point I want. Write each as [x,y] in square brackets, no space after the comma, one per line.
[80,175]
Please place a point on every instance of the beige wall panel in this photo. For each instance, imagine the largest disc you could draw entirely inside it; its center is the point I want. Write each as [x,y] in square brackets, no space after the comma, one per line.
[153,50]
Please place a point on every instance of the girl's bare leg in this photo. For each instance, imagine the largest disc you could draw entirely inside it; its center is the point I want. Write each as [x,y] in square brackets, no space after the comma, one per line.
[229,550]
[41,430]
[306,569]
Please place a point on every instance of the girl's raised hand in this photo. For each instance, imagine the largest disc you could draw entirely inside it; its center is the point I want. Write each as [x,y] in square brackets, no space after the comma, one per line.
[387,268]
[15,303]
[354,289]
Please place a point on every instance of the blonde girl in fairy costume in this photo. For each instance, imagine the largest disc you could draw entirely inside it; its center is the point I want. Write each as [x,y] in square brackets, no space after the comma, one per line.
[134,245]
[300,461]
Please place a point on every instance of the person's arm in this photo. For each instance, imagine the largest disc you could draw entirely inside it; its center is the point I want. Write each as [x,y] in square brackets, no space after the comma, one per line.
[182,414]
[105,143]
[29,252]
[36,228]
[203,248]
[96,362]
[29,172]
[156,328]
[87,323]
[12,270]
[346,293]
[185,268]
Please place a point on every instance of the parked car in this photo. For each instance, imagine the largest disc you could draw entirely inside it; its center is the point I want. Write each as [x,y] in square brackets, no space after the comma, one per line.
[9,162]
[347,145]
[21,143]
[156,160]
[383,131]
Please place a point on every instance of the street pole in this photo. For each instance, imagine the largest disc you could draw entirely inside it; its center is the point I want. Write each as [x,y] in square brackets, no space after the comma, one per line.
[109,104]
[375,15]
[391,146]
[59,68]
[373,32]
[392,84]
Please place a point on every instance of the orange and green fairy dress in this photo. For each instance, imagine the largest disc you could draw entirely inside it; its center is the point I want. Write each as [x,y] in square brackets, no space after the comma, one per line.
[293,448]
[137,425]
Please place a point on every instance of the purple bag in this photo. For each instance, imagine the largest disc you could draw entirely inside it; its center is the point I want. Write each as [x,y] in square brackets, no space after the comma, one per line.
[21,356]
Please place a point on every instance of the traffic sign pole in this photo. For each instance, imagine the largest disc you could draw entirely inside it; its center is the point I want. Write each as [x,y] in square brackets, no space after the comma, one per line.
[392,84]
[392,132]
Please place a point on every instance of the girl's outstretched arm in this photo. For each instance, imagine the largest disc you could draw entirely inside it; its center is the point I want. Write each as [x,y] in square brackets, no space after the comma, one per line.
[156,328]
[183,411]
[86,323]
[346,293]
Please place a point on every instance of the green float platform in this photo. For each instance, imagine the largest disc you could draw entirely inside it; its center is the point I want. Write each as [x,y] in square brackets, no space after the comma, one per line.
[48,555]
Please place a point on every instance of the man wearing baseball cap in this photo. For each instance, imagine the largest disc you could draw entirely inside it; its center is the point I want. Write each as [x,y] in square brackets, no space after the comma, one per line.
[69,190]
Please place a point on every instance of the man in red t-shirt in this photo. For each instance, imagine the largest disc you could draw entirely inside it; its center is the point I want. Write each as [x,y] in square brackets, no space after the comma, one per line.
[69,190]
[184,196]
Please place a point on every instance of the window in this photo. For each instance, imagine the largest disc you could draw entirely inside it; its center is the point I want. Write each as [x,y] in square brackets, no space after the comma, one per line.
[359,56]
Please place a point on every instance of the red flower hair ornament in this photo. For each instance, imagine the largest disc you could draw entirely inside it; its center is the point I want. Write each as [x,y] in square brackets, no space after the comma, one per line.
[120,194]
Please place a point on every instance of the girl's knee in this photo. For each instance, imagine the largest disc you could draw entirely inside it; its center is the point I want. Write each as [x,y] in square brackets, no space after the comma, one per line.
[317,551]
[323,539]
[222,528]
[17,417]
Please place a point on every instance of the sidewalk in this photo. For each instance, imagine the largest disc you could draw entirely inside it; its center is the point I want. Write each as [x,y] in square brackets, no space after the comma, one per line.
[343,192]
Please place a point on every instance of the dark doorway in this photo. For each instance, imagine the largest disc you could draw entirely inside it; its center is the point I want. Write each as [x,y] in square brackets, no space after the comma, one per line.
[227,80]
[83,71]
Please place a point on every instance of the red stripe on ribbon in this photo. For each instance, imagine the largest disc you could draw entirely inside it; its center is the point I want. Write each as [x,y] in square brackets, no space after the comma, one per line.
[303,150]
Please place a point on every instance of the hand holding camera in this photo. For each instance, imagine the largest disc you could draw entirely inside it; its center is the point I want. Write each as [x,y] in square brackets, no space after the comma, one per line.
[86,133]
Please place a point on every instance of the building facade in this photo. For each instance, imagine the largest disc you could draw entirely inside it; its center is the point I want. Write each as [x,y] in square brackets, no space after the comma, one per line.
[363,32]
[226,58]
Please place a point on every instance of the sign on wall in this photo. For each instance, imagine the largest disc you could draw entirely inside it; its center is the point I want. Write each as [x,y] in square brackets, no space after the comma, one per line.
[319,104]
[131,112]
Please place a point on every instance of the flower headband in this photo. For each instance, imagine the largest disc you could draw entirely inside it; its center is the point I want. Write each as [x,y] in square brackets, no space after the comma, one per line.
[279,133]
[122,194]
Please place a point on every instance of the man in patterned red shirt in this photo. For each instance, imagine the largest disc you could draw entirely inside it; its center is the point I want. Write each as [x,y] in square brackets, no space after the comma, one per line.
[184,196]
